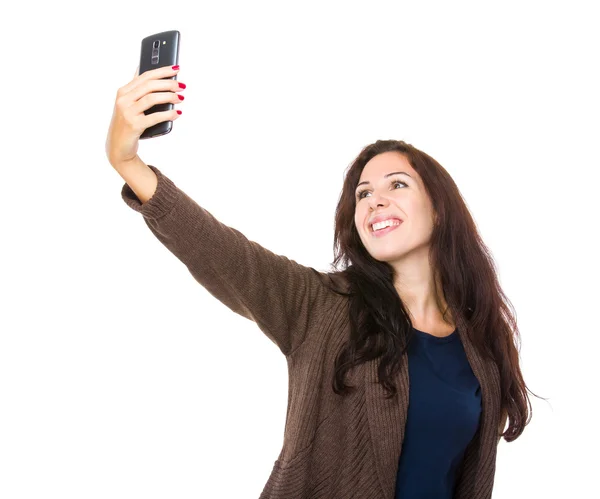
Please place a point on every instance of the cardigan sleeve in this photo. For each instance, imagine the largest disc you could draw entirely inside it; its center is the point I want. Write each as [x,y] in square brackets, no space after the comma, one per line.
[280,295]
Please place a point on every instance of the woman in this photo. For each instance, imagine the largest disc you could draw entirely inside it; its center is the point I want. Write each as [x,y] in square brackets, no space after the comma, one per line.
[416,320]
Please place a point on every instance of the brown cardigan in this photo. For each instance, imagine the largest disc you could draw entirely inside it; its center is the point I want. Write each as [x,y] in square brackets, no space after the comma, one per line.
[334,447]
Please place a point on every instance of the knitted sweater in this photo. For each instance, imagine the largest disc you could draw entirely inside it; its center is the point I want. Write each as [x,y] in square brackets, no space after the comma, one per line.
[335,447]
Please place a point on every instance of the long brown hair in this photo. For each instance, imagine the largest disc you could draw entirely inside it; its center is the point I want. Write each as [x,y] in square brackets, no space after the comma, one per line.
[380,324]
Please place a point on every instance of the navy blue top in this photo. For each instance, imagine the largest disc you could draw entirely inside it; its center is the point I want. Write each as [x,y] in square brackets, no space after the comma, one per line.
[443,416]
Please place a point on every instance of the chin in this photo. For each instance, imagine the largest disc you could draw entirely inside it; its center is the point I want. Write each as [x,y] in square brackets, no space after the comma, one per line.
[386,256]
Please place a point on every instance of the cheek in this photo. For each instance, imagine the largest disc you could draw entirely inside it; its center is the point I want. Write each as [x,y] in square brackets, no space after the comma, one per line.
[359,217]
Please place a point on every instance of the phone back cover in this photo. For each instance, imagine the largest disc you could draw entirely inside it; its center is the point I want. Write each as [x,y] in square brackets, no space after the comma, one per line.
[168,55]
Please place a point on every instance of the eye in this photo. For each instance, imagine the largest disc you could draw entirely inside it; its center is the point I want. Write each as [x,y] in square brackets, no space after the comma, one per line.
[360,193]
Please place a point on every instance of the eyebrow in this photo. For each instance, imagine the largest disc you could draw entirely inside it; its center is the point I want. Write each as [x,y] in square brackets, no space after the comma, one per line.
[385,176]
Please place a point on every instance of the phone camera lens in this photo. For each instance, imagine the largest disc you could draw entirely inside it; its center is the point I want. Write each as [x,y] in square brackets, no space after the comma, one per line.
[156,43]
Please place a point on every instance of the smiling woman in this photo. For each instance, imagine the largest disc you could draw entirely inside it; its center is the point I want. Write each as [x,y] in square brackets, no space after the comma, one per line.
[419,271]
[416,312]
[430,272]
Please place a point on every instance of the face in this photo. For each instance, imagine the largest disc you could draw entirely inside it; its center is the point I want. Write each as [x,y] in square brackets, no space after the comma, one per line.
[399,195]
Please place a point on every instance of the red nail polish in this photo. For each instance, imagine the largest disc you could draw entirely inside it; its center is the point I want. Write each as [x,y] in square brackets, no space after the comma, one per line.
[182,85]
[178,111]
[175,67]
[181,97]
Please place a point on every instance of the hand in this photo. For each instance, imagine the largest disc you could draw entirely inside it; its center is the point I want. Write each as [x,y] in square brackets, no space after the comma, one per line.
[129,121]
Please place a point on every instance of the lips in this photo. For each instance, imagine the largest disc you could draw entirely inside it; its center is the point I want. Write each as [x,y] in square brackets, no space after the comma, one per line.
[382,219]
[383,216]
[383,232]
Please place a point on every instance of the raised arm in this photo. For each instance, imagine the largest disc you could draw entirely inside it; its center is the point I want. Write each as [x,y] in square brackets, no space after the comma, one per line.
[284,298]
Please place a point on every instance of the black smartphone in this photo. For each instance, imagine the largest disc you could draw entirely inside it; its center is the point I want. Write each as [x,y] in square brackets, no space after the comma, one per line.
[158,50]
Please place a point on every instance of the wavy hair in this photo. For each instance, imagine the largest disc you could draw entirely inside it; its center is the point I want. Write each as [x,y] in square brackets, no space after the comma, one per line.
[380,324]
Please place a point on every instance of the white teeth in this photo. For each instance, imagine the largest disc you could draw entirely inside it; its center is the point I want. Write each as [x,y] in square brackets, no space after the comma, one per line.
[384,224]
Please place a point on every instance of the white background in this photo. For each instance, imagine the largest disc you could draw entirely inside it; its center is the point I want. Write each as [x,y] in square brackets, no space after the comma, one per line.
[121,377]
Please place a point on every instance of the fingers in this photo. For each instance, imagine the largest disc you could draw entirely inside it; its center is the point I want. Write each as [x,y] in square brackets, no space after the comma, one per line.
[145,91]
[159,117]
[153,74]
[150,99]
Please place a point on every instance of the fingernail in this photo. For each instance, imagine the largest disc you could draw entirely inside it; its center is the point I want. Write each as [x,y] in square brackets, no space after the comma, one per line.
[178,111]
[181,97]
[175,67]
[181,85]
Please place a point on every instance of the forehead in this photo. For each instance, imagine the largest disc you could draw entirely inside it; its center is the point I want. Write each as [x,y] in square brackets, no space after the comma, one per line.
[384,163]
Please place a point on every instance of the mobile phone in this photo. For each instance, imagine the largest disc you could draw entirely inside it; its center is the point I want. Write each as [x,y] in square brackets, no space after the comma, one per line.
[159,50]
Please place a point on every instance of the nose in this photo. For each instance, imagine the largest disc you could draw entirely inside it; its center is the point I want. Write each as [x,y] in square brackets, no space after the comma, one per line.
[376,200]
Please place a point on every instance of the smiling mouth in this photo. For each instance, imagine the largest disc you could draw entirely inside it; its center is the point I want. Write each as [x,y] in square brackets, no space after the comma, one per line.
[384,231]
